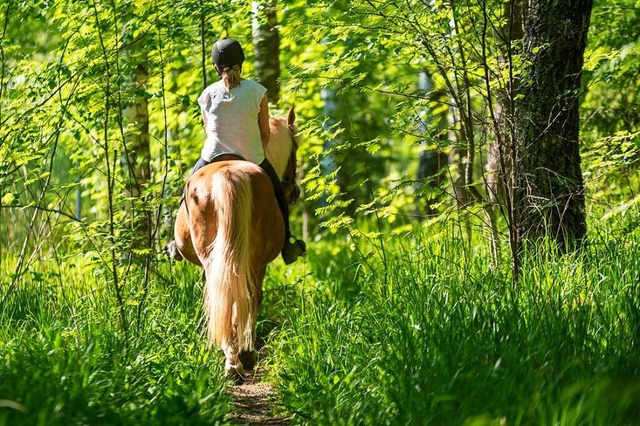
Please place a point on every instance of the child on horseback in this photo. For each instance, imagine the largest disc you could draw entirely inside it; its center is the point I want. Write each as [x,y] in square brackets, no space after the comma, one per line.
[236,118]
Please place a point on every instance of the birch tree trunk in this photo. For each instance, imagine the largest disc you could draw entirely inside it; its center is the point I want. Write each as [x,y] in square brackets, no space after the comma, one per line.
[266,46]
[138,149]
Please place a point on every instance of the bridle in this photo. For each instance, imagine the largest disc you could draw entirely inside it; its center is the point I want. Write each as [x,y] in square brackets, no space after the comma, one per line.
[291,187]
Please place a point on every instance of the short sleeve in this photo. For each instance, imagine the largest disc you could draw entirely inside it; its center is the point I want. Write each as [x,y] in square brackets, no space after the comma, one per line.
[260,91]
[204,99]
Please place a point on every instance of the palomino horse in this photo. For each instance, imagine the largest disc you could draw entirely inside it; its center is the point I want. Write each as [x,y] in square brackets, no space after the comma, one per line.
[230,224]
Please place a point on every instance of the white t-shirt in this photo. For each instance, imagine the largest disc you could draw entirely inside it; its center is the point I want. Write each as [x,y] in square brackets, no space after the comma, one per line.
[232,120]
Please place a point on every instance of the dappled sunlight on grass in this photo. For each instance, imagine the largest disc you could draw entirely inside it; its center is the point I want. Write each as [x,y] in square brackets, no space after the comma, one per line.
[437,336]
[66,360]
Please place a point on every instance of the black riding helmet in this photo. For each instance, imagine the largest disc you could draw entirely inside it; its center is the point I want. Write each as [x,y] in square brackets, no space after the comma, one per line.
[226,53]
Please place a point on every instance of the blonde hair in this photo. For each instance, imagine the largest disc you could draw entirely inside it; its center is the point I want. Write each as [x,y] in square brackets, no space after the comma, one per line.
[231,76]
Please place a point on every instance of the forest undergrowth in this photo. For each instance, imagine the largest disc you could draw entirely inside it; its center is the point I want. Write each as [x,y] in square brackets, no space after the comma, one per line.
[429,333]
[416,328]
[66,360]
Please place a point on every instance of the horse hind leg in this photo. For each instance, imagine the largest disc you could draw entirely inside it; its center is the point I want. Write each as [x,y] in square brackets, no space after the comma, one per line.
[233,363]
[248,357]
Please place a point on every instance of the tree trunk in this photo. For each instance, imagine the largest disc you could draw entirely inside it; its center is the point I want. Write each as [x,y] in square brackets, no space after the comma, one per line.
[549,191]
[498,155]
[501,151]
[266,46]
[138,150]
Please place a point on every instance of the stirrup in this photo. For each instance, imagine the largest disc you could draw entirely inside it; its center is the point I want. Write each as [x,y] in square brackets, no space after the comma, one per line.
[292,250]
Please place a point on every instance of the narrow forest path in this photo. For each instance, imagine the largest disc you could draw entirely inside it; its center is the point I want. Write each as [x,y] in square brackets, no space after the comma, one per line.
[254,401]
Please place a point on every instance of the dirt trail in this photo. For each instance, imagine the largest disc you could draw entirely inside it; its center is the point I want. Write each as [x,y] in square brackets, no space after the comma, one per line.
[254,402]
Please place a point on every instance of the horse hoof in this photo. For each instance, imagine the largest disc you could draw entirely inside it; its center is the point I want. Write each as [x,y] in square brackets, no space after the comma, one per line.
[236,372]
[234,368]
[248,359]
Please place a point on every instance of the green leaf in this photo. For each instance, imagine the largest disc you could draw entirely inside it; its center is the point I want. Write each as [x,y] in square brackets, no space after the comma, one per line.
[8,198]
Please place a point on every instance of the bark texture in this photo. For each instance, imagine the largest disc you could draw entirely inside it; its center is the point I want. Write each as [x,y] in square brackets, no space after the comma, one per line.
[549,191]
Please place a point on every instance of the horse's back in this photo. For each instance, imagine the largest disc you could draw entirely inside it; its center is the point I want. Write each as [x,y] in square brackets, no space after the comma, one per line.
[197,221]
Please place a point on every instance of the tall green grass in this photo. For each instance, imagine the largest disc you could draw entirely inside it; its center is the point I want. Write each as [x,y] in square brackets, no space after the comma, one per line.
[64,359]
[434,335]
[412,329]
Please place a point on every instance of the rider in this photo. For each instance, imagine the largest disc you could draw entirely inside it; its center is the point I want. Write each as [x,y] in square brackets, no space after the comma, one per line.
[236,118]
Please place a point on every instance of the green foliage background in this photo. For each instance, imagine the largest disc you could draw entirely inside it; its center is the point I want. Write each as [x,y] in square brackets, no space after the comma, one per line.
[395,317]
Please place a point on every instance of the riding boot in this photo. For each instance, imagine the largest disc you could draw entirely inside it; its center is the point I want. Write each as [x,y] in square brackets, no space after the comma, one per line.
[291,250]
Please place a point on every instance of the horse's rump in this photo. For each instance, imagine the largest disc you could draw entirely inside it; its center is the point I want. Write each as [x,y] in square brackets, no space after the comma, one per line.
[236,228]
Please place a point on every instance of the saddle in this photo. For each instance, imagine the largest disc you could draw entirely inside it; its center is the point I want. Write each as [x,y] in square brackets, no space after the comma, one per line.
[226,157]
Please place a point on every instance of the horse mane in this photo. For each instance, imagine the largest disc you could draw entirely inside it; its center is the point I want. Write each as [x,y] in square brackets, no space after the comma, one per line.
[278,150]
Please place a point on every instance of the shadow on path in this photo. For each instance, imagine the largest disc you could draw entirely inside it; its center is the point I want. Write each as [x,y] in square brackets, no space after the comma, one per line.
[254,401]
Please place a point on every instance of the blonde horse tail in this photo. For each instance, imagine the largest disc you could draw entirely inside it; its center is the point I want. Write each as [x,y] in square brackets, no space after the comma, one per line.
[228,297]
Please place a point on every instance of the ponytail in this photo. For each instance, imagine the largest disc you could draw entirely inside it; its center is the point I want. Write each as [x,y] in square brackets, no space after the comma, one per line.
[231,76]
